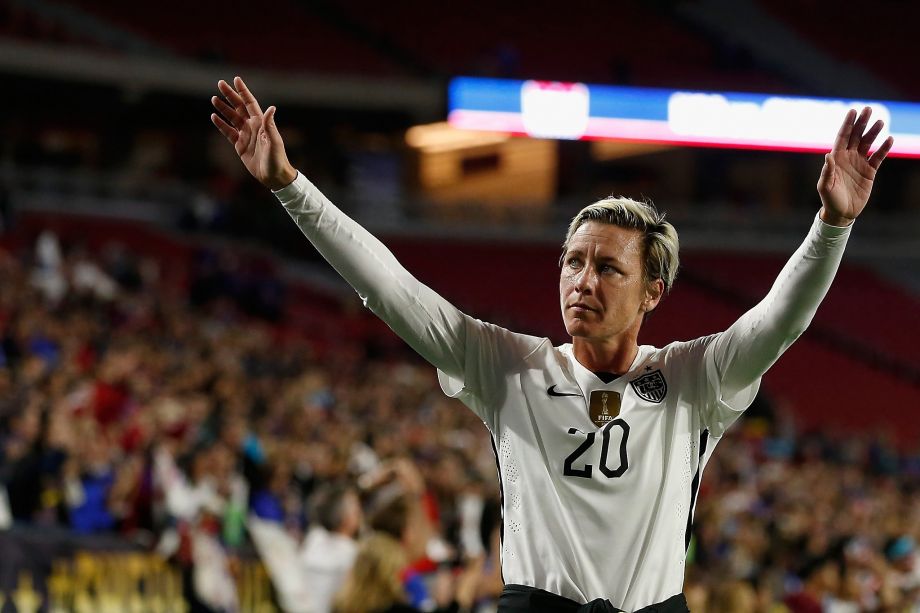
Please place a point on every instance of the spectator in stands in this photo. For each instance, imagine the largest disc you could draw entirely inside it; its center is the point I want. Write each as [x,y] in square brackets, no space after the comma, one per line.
[130,497]
[273,502]
[201,506]
[396,508]
[904,574]
[22,461]
[735,596]
[820,582]
[697,591]
[329,549]
[374,584]
[89,476]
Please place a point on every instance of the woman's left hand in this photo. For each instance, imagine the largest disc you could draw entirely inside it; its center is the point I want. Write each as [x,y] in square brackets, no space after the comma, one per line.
[846,179]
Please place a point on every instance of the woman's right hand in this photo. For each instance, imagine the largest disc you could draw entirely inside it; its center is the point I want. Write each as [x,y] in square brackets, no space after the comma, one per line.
[253,134]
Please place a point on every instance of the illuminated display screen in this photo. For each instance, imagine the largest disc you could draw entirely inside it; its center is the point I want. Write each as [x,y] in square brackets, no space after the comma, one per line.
[575,111]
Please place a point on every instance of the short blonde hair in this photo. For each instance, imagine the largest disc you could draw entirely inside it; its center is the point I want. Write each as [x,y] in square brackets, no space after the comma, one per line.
[660,243]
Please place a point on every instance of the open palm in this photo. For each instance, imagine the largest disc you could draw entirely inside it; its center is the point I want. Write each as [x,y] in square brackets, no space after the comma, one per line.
[846,179]
[254,135]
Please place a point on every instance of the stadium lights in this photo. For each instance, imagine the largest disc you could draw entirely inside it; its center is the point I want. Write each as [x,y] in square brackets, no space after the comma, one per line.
[577,111]
[441,137]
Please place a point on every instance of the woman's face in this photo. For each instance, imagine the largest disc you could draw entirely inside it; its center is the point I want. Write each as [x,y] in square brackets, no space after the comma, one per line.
[602,289]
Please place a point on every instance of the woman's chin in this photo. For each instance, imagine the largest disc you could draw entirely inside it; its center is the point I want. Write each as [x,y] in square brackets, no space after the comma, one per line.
[578,328]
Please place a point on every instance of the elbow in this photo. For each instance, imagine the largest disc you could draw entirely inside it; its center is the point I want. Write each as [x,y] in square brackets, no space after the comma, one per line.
[791,328]
[794,333]
[795,329]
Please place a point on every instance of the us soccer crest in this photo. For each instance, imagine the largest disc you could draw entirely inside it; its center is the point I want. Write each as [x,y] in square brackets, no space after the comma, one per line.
[651,387]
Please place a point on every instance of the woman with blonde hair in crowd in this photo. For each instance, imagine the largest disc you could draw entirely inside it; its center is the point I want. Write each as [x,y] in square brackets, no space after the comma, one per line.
[375,584]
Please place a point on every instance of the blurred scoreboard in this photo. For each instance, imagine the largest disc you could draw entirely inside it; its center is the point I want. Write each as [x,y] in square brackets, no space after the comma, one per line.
[577,111]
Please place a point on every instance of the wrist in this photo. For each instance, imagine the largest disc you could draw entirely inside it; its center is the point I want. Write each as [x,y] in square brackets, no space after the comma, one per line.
[282,179]
[834,219]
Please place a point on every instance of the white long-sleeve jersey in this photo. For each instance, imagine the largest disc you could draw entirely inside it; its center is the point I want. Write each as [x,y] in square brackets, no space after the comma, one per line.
[594,506]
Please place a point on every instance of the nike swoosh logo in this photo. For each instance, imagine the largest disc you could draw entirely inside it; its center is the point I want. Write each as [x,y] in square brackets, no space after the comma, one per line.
[551,390]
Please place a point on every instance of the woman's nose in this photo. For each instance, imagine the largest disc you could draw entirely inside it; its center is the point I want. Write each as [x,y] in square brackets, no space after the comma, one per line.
[586,280]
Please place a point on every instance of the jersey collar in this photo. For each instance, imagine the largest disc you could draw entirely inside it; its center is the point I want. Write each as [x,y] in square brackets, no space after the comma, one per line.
[588,381]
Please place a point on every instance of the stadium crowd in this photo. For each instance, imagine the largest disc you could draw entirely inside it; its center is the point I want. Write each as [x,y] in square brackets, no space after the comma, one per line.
[175,417]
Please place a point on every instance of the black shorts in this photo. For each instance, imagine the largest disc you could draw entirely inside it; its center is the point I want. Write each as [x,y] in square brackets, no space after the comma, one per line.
[526,599]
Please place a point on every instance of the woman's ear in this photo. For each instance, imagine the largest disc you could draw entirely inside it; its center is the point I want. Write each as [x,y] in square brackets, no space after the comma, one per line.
[653,293]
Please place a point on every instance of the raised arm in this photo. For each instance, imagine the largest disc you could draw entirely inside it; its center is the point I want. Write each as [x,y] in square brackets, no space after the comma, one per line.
[744,352]
[427,322]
